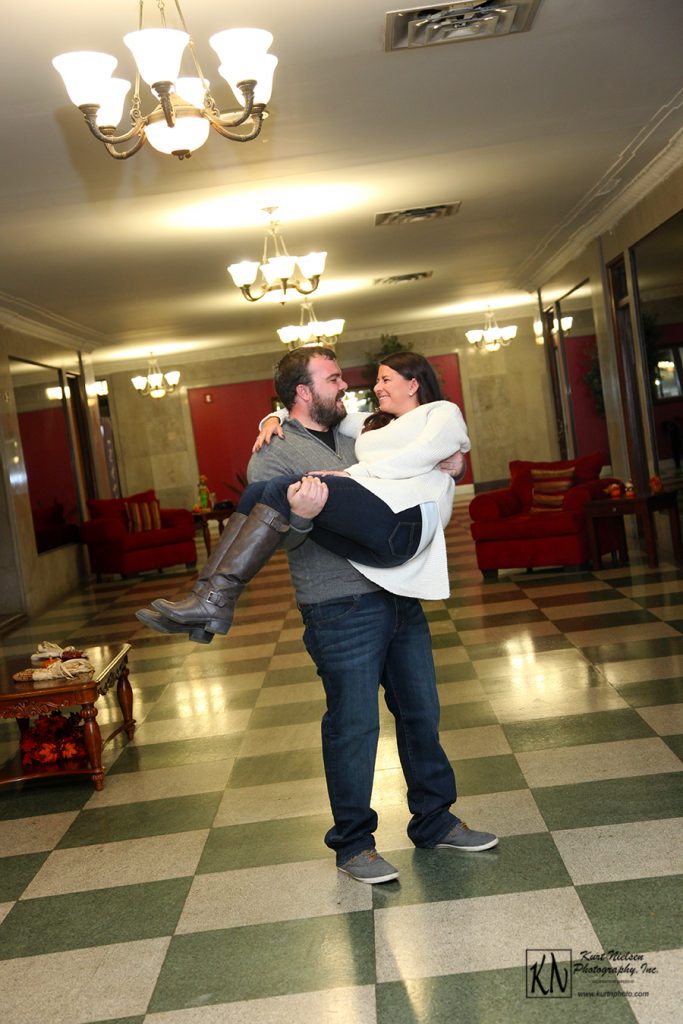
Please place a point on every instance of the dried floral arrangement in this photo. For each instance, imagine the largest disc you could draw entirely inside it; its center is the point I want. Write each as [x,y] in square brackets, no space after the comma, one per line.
[53,739]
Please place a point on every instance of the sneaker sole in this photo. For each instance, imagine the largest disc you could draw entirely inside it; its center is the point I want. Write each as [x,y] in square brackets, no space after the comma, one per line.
[370,881]
[470,849]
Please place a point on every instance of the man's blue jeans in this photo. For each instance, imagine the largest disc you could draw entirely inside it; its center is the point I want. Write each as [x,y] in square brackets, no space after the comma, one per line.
[358,643]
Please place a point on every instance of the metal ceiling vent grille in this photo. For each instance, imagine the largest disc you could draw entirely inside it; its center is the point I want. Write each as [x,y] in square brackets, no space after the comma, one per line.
[456,22]
[417,215]
[417,275]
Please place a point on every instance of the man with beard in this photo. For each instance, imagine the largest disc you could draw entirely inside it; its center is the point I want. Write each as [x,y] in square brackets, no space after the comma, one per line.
[359,636]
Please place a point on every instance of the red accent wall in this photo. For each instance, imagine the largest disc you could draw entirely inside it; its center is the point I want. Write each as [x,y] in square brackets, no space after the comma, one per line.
[48,461]
[225,428]
[589,427]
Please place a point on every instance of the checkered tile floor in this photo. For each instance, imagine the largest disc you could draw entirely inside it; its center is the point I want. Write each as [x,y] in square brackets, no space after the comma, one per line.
[196,889]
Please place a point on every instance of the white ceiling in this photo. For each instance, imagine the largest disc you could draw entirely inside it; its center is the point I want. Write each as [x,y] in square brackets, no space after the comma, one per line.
[130,256]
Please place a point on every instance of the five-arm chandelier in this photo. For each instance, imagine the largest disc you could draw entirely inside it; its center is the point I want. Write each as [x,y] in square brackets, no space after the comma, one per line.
[310,330]
[156,384]
[279,271]
[491,337]
[186,108]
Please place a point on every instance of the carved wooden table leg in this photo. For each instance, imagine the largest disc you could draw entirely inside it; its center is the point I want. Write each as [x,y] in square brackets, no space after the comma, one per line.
[93,743]
[125,698]
[648,528]
[594,546]
[675,524]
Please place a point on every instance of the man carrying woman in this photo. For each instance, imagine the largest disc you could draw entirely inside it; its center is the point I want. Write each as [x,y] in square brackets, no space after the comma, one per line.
[358,583]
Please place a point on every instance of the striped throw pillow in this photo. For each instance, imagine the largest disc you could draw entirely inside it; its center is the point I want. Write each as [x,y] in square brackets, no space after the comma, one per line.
[143,515]
[549,488]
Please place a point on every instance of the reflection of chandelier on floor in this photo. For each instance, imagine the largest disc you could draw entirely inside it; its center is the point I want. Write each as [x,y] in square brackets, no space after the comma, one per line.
[156,384]
[310,330]
[279,271]
[491,337]
[187,109]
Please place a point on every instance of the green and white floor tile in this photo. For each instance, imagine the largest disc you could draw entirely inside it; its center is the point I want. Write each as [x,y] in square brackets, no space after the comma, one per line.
[195,887]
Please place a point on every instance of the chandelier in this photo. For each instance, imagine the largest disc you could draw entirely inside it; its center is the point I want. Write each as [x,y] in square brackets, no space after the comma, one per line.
[156,384]
[279,271]
[491,337]
[186,108]
[310,330]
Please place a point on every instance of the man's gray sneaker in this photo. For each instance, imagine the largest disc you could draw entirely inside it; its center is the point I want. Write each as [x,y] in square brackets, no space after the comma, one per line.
[369,867]
[460,837]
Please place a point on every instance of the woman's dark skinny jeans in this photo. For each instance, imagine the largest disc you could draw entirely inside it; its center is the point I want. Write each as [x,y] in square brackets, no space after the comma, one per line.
[354,522]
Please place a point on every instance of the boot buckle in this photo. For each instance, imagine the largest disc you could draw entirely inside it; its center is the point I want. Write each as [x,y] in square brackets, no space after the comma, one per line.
[216,597]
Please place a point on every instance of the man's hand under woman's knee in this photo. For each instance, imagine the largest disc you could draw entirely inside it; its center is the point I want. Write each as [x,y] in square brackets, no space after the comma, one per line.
[307,497]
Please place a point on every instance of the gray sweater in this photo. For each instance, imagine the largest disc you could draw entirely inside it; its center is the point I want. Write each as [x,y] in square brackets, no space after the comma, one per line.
[318,575]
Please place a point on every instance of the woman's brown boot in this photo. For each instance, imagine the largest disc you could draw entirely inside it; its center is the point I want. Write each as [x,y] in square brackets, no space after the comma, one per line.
[211,605]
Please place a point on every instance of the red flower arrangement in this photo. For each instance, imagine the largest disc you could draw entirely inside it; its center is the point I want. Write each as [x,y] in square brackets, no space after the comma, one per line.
[53,739]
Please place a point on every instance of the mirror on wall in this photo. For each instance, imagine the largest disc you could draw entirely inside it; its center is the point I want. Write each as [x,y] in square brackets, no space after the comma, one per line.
[574,367]
[574,327]
[51,465]
[658,264]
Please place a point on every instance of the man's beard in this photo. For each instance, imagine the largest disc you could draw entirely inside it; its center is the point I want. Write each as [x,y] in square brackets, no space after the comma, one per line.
[326,412]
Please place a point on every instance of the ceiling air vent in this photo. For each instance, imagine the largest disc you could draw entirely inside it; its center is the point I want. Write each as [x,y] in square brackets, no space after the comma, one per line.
[417,215]
[456,22]
[417,275]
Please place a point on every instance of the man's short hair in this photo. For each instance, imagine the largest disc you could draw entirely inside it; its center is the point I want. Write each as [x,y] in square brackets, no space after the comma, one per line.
[293,370]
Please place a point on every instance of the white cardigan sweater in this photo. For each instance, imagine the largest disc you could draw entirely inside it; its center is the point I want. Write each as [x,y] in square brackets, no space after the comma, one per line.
[397,464]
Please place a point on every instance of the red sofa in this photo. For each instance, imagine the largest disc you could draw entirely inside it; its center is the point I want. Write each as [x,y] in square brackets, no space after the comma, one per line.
[119,541]
[508,535]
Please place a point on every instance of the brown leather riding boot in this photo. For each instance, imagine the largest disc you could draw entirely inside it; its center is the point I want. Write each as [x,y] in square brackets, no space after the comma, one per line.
[211,606]
[153,619]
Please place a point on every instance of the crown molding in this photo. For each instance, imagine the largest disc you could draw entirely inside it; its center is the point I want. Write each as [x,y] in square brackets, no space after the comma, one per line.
[35,322]
[662,166]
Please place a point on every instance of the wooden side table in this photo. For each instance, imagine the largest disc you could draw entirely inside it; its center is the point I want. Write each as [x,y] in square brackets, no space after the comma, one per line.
[642,507]
[212,515]
[27,700]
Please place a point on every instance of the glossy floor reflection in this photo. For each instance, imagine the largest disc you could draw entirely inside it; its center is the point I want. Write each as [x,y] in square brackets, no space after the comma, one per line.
[196,889]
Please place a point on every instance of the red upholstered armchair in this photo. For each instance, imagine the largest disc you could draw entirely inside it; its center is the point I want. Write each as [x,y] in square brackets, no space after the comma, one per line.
[131,535]
[538,519]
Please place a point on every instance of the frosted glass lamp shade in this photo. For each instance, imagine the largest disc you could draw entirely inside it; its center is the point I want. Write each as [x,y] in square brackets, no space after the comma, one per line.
[288,334]
[86,75]
[139,383]
[172,378]
[244,273]
[192,90]
[188,134]
[313,264]
[243,68]
[474,337]
[157,52]
[314,330]
[238,43]
[111,110]
[508,333]
[333,328]
[278,268]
